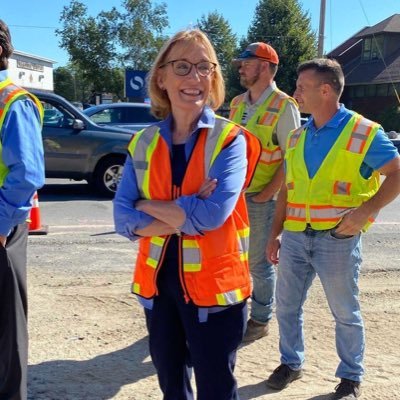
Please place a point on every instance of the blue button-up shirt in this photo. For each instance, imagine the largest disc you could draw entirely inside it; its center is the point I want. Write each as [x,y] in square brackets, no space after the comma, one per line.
[229,168]
[22,153]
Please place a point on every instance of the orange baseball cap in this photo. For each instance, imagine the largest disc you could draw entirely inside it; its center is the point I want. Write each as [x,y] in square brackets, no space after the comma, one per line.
[259,50]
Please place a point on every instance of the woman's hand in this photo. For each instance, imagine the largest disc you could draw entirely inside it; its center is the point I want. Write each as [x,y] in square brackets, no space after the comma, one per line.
[206,189]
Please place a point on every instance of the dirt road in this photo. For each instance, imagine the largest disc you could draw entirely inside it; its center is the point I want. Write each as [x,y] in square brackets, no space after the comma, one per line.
[88,338]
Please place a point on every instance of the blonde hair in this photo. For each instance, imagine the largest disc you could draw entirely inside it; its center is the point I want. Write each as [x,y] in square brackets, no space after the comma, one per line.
[160,103]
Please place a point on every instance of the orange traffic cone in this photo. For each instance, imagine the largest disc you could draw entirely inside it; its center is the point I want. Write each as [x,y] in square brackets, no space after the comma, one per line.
[35,224]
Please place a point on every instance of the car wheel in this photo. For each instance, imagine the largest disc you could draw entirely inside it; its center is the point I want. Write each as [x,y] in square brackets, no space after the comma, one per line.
[108,174]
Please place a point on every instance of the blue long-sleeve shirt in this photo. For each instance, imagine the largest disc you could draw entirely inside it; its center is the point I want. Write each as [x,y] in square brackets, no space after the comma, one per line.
[229,169]
[22,153]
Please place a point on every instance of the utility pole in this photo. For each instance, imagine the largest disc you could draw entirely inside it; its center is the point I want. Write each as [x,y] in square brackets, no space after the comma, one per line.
[321,32]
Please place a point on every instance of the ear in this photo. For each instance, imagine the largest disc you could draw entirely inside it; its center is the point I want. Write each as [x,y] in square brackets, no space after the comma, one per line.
[160,81]
[326,89]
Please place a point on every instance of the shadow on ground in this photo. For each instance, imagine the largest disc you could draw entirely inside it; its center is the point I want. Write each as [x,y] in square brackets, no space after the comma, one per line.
[99,378]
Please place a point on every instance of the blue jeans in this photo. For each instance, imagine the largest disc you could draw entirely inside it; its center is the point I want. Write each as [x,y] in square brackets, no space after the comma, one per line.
[262,271]
[337,263]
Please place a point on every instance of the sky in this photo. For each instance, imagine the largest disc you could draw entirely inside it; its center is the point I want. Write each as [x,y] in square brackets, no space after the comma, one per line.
[33,23]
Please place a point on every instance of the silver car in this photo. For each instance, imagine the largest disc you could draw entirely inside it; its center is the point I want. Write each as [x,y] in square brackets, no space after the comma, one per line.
[123,115]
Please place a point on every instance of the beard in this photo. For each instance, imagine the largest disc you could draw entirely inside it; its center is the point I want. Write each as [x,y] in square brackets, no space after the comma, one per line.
[249,81]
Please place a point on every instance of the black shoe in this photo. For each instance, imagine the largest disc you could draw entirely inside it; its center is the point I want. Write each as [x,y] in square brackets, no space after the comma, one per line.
[282,376]
[347,390]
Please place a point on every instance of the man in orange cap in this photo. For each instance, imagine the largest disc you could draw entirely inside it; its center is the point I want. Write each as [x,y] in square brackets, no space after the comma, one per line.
[270,114]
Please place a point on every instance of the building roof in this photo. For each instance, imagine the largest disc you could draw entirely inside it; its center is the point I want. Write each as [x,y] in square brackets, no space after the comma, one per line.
[375,72]
[347,44]
[388,25]
[39,58]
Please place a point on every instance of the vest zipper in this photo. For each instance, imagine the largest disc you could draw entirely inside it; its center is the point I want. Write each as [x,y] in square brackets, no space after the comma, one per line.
[177,193]
[160,261]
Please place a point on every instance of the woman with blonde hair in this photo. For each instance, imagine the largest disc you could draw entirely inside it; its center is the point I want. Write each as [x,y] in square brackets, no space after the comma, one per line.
[181,196]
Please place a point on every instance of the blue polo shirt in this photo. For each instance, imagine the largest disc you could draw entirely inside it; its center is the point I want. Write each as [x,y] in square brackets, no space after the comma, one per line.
[318,142]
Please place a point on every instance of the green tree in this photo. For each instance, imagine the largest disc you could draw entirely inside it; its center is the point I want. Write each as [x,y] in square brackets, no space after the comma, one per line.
[101,47]
[64,83]
[224,40]
[139,31]
[287,28]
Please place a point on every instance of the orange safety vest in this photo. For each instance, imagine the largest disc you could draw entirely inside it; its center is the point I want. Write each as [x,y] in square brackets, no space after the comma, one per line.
[9,92]
[262,125]
[213,267]
[338,185]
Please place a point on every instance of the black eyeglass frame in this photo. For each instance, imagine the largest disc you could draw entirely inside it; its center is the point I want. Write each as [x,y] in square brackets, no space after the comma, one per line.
[212,69]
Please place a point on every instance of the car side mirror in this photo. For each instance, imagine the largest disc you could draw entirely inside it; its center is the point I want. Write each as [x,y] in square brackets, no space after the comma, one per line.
[78,124]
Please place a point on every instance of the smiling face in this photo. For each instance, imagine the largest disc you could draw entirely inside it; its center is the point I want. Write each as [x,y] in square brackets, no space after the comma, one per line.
[310,92]
[187,93]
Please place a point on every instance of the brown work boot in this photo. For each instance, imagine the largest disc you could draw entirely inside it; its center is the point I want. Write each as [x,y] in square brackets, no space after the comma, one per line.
[255,330]
[347,390]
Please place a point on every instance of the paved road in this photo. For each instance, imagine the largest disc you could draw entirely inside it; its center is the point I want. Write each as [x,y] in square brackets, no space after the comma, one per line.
[81,232]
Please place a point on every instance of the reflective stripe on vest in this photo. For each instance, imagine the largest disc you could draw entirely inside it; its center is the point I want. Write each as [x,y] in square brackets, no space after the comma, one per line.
[191,255]
[353,139]
[228,298]
[243,240]
[156,246]
[147,139]
[359,136]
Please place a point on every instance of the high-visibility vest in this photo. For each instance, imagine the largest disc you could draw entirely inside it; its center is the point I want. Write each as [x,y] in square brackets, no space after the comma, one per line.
[9,92]
[262,124]
[338,185]
[213,268]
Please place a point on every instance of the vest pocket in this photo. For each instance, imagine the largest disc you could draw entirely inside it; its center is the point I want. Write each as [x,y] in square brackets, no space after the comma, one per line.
[346,167]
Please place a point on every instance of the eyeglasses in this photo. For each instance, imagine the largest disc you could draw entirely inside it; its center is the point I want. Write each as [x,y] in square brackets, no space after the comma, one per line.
[183,67]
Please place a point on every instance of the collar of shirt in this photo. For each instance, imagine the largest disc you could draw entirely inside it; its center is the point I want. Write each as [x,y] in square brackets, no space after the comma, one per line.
[3,75]
[206,120]
[337,120]
[262,98]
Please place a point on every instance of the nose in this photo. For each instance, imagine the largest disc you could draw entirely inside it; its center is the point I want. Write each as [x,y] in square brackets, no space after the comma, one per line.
[193,73]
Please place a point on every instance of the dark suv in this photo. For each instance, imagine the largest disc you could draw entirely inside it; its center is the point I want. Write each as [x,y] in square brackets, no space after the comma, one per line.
[76,148]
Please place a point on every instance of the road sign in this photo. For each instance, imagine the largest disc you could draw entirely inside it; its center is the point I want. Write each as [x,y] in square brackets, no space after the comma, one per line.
[135,83]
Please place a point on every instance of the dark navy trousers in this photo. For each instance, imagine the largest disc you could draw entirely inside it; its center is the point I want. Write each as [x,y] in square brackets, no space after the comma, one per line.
[179,343]
[13,316]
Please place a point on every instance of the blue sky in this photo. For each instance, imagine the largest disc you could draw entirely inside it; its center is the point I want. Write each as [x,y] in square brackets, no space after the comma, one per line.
[33,23]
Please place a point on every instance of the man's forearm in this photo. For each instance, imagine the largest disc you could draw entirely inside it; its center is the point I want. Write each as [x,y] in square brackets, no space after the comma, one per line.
[280,213]
[272,187]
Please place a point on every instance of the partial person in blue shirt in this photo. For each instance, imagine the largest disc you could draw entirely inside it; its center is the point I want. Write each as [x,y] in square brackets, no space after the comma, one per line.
[319,141]
[21,174]
[332,194]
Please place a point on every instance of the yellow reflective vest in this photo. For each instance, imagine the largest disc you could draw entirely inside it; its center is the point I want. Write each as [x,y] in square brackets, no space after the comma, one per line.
[338,185]
[262,125]
[9,92]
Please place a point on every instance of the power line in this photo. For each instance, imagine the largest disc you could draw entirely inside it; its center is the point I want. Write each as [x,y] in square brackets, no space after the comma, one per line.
[33,26]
